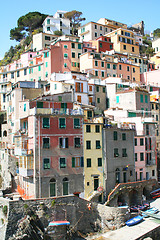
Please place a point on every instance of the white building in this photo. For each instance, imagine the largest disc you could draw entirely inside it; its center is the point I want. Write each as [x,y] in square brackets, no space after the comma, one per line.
[57,23]
[156,45]
[73,81]
[93,30]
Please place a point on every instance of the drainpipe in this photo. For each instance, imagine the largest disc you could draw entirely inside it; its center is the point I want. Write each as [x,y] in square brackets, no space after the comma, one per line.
[34,137]
[39,156]
[104,158]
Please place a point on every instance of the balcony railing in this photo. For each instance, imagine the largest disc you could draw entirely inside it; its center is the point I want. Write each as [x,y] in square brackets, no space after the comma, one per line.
[25,172]
[23,152]
[57,111]
[3,90]
[150,162]
[4,80]
[77,145]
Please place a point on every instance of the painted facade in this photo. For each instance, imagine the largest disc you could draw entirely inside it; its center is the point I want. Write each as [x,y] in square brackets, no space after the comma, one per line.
[53,157]
[93,158]
[57,23]
[119,156]
[93,30]
[67,54]
[124,41]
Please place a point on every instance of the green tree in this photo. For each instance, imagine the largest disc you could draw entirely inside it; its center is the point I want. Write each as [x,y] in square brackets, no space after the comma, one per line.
[31,21]
[75,18]
[156,33]
[38,30]
[27,41]
[146,41]
[27,24]
[16,34]
[149,52]
[58,33]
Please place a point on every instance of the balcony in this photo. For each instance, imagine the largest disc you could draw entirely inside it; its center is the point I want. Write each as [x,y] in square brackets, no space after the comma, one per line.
[98,147]
[4,80]
[3,90]
[25,172]
[124,155]
[83,33]
[24,131]
[56,111]
[23,152]
[150,162]
[77,145]
[116,154]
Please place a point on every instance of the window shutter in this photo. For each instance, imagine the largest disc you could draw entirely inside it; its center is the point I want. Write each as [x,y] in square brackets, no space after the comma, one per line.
[39,104]
[76,86]
[60,142]
[66,143]
[81,87]
[73,161]
[82,162]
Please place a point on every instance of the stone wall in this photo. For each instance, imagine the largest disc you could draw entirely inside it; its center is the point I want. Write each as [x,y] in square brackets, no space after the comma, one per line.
[152,235]
[3,217]
[131,193]
[83,219]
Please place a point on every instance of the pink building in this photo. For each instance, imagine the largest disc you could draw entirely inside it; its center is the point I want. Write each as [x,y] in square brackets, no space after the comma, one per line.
[151,78]
[65,55]
[145,154]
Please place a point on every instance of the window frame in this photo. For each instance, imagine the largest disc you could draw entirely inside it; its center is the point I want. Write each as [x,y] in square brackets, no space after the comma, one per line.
[98,144]
[99,162]
[141,158]
[124,152]
[88,144]
[141,142]
[88,128]
[73,55]
[88,162]
[124,136]
[115,135]
[44,168]
[47,127]
[77,126]
[75,144]
[116,152]
[60,164]
[97,128]
[65,55]
[46,143]
[60,125]
[65,142]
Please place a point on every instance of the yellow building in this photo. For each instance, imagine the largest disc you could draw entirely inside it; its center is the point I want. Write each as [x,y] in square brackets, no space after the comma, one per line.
[156,60]
[124,41]
[93,159]
[111,23]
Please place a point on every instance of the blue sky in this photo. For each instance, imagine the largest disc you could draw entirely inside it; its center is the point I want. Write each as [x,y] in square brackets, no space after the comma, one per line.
[128,12]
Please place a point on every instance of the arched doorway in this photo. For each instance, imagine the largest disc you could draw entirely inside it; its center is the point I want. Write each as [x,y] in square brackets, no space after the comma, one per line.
[133,197]
[146,193]
[4,133]
[52,187]
[65,186]
[121,201]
